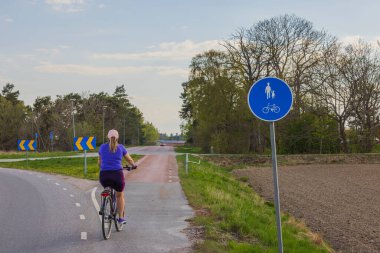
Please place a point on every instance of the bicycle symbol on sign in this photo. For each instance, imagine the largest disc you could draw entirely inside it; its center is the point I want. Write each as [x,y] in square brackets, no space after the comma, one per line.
[273,108]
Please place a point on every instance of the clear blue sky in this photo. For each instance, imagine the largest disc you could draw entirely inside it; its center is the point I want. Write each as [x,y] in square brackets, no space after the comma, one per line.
[54,47]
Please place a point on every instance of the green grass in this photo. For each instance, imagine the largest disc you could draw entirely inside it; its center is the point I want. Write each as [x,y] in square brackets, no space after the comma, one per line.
[73,167]
[188,149]
[32,154]
[376,148]
[235,218]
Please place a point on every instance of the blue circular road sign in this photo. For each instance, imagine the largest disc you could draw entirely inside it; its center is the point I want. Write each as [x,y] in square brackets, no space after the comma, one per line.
[270,99]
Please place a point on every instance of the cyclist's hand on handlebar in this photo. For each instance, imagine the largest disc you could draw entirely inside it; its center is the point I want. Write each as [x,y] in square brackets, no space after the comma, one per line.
[129,167]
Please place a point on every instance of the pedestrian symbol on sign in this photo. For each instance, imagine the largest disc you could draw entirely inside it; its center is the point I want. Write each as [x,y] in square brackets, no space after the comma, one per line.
[268,89]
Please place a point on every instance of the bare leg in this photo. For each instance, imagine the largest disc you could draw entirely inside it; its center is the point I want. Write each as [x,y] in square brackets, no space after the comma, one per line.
[120,203]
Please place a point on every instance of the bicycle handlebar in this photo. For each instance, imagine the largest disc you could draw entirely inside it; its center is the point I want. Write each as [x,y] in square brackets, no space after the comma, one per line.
[129,167]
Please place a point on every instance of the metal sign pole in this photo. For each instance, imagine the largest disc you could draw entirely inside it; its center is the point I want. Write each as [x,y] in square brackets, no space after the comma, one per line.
[275,182]
[270,99]
[187,163]
[85,162]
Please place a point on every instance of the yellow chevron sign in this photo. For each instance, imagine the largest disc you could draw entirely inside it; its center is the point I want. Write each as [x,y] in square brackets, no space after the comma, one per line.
[89,144]
[84,143]
[26,145]
[77,143]
[30,145]
[22,145]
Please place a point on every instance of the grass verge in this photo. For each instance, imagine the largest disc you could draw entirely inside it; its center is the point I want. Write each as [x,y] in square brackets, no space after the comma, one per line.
[236,219]
[32,154]
[73,167]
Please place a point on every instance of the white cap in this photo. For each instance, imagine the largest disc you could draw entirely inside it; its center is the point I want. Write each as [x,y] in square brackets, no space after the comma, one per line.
[113,133]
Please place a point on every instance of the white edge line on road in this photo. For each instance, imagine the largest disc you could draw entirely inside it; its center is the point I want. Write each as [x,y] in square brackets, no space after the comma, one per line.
[83,235]
[142,159]
[97,207]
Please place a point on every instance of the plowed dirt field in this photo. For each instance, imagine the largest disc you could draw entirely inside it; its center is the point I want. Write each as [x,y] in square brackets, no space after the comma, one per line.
[339,201]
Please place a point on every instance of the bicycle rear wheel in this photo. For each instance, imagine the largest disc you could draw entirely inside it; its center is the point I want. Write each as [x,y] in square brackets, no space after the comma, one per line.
[107,218]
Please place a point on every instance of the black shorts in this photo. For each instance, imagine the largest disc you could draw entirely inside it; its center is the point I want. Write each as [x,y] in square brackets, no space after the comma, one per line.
[112,178]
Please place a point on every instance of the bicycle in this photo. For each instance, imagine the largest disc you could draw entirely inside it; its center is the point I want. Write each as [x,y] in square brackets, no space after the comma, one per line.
[108,209]
[273,108]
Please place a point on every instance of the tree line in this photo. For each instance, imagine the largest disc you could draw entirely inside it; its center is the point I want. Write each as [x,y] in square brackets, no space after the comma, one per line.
[336,88]
[53,123]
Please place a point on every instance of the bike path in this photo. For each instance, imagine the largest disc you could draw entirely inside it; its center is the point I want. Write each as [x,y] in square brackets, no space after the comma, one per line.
[156,208]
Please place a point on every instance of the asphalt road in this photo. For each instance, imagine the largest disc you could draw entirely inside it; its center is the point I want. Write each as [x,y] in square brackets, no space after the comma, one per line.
[46,213]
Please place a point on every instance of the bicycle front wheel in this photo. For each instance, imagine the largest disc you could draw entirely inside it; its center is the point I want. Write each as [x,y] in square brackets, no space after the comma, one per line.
[107,218]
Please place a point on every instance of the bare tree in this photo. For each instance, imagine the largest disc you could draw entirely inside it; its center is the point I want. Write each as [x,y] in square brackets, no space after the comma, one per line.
[247,56]
[334,93]
[361,70]
[248,60]
[293,49]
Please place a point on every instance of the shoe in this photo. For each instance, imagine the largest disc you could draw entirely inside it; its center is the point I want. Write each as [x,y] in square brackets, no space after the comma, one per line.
[122,221]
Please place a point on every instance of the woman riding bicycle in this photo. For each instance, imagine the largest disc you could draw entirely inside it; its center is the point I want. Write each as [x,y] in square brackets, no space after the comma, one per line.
[111,169]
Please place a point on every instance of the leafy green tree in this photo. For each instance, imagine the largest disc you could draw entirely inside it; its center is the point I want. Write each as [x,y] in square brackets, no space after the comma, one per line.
[9,93]
[12,118]
[310,133]
[150,134]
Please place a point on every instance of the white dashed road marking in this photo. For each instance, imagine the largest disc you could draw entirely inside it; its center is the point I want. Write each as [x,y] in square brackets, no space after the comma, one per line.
[82,217]
[71,195]
[77,204]
[83,235]
[56,183]
[64,189]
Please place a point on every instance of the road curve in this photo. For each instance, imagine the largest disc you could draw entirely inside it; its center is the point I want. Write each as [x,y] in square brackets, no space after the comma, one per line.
[47,213]
[42,213]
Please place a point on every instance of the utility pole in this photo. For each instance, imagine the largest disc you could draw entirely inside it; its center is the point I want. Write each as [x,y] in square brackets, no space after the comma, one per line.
[138,136]
[72,110]
[125,119]
[104,107]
